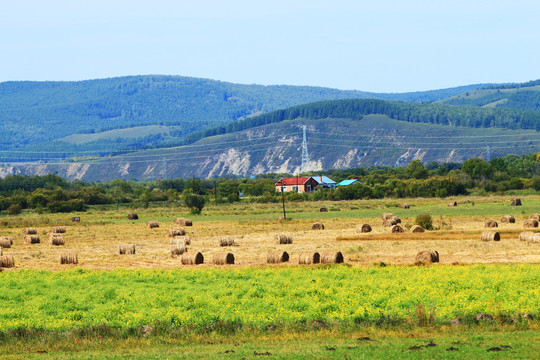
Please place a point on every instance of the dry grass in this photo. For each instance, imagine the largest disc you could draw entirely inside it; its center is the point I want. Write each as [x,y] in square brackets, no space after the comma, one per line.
[97,238]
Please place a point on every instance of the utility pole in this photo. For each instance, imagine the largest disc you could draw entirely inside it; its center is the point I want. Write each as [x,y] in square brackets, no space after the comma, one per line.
[283,200]
[305,154]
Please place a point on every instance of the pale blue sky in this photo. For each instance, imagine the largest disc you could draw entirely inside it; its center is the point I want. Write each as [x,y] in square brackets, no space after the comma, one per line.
[383,46]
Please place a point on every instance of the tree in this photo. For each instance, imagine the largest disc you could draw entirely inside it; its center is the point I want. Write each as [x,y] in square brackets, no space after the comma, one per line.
[14,209]
[477,168]
[417,170]
[194,202]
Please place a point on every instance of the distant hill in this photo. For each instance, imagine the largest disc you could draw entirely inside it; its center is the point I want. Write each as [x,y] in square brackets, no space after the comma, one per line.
[341,134]
[522,96]
[49,120]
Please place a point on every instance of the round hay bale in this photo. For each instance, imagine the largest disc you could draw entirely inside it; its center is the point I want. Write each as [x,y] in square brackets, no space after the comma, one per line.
[133,217]
[309,258]
[277,257]
[404,206]
[317,226]
[5,242]
[389,222]
[491,224]
[226,241]
[59,230]
[332,257]
[152,224]
[490,236]
[224,259]
[183,222]
[323,209]
[284,239]
[126,249]
[530,237]
[452,204]
[535,217]
[364,228]
[417,229]
[31,239]
[176,232]
[192,258]
[397,229]
[530,223]
[427,257]
[56,239]
[396,219]
[69,259]
[387,216]
[7,261]
[180,240]
[515,202]
[178,249]
[508,219]
[29,231]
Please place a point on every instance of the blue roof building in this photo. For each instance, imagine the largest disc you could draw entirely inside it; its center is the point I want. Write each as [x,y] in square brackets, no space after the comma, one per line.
[325,181]
[347,182]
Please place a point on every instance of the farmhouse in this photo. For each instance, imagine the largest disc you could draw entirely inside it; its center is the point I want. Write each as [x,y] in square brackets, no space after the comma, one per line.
[298,184]
[325,182]
[347,182]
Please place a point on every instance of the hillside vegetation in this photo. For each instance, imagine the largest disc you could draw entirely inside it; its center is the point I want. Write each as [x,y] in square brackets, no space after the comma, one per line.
[35,114]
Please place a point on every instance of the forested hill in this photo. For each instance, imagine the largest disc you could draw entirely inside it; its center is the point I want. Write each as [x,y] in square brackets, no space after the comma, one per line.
[467,116]
[37,113]
[524,96]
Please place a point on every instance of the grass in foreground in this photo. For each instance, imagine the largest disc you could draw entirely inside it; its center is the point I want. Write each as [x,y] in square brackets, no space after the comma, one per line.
[477,342]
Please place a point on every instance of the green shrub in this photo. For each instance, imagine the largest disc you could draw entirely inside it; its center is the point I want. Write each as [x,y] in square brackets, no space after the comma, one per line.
[425,221]
[14,209]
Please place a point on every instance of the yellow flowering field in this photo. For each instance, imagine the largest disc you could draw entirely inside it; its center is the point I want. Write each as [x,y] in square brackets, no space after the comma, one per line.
[262,297]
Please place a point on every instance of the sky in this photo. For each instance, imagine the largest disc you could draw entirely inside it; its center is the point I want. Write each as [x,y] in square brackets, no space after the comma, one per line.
[380,46]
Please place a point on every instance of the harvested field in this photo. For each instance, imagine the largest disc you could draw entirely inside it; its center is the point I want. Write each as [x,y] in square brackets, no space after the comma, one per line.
[97,239]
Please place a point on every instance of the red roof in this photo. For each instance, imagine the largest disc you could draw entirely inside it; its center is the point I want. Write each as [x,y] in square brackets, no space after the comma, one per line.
[293,181]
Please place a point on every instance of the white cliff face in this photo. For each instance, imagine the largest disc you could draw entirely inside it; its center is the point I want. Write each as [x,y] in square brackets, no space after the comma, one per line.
[230,162]
[77,171]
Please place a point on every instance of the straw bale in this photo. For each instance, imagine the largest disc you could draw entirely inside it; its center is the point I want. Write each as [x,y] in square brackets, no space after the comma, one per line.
[396,219]
[31,239]
[332,257]
[397,229]
[387,216]
[178,249]
[417,229]
[152,224]
[7,261]
[176,232]
[29,231]
[404,206]
[530,223]
[508,219]
[389,222]
[427,257]
[56,239]
[277,257]
[69,259]
[515,202]
[133,217]
[284,239]
[226,241]
[59,230]
[192,258]
[224,259]
[530,237]
[317,226]
[535,217]
[5,242]
[364,228]
[491,224]
[180,240]
[323,209]
[126,249]
[309,258]
[490,236]
[452,204]
[183,222]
